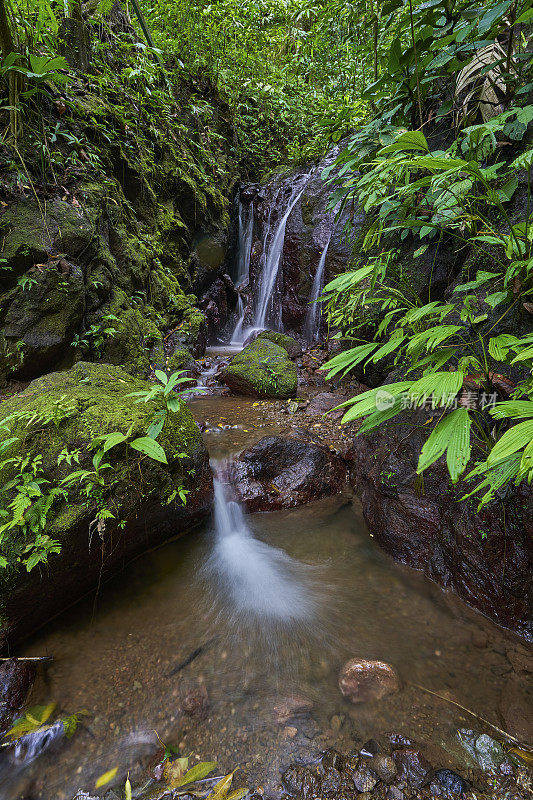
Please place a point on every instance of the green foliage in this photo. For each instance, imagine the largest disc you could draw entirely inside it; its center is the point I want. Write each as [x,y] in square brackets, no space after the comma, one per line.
[413,191]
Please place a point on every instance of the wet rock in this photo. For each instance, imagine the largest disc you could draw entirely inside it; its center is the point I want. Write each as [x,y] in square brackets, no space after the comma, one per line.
[261,369]
[399,740]
[384,767]
[361,680]
[289,706]
[301,781]
[195,701]
[370,748]
[217,304]
[16,680]
[487,752]
[517,710]
[248,192]
[412,766]
[284,472]
[364,779]
[332,758]
[450,781]
[331,781]
[293,348]
[91,399]
[321,403]
[394,793]
[440,535]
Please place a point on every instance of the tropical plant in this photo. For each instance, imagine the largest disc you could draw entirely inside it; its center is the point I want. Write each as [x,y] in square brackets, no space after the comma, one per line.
[451,345]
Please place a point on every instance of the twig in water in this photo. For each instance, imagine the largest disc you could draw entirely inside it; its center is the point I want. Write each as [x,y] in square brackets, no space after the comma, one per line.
[473,714]
[28,658]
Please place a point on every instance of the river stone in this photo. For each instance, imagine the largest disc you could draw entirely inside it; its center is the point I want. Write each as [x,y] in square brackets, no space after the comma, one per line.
[289,706]
[384,767]
[364,779]
[485,750]
[361,680]
[449,781]
[301,781]
[16,680]
[75,406]
[284,472]
[261,369]
[412,766]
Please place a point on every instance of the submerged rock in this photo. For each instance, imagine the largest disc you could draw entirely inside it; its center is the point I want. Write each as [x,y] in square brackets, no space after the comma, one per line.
[290,706]
[261,369]
[361,680]
[412,766]
[16,680]
[70,409]
[284,472]
[450,781]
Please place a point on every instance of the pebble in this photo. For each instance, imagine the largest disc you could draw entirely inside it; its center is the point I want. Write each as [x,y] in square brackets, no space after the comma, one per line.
[364,779]
[384,766]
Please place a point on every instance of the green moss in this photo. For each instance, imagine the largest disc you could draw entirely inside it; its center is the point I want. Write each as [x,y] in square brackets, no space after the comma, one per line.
[289,344]
[180,360]
[262,369]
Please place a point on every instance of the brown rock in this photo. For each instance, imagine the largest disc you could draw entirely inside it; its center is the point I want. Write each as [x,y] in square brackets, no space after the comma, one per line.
[412,766]
[361,680]
[290,706]
[517,710]
[364,779]
[195,701]
[16,680]
[384,767]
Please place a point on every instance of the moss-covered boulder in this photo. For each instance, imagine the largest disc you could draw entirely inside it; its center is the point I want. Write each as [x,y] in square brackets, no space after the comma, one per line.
[98,529]
[293,348]
[262,369]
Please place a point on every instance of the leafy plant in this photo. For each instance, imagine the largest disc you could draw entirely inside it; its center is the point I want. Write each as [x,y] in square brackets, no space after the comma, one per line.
[449,344]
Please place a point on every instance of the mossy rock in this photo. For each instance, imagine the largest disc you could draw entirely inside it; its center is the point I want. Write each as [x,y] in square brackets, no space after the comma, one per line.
[293,348]
[180,360]
[73,407]
[262,369]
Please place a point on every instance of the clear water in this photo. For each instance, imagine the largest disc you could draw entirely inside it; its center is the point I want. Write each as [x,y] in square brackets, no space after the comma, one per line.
[314,312]
[262,608]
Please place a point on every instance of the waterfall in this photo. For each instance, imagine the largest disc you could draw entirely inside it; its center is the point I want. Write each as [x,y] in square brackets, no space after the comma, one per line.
[246,231]
[269,267]
[314,312]
[237,337]
[257,581]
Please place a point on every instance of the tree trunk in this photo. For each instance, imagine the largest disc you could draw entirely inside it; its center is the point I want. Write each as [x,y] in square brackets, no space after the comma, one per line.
[7,44]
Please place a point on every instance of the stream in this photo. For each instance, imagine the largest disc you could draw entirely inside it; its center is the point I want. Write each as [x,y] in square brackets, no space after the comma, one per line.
[227,643]
[206,642]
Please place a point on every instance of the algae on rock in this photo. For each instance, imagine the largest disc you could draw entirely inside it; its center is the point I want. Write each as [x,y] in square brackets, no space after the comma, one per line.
[262,369]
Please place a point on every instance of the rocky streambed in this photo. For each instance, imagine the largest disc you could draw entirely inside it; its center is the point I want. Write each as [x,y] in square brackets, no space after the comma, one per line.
[166,654]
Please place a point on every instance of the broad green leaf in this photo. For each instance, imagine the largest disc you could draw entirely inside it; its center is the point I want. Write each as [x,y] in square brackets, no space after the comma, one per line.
[344,362]
[512,440]
[161,376]
[369,402]
[151,448]
[451,434]
[409,140]
[513,409]
[156,425]
[441,387]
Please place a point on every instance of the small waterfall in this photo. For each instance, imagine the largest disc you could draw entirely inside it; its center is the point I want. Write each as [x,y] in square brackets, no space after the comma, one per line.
[258,582]
[246,231]
[269,267]
[314,311]
[237,337]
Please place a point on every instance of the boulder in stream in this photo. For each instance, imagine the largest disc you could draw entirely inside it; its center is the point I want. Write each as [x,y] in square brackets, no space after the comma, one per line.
[484,556]
[261,369]
[60,414]
[284,472]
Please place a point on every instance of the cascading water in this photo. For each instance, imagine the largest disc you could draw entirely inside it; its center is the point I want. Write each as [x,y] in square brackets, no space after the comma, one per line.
[265,311]
[259,582]
[314,311]
[246,230]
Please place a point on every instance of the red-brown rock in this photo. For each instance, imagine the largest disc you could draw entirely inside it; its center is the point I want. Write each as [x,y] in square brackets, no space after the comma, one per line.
[361,680]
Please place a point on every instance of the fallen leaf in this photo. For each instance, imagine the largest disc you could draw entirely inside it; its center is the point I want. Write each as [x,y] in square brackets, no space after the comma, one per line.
[106,778]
